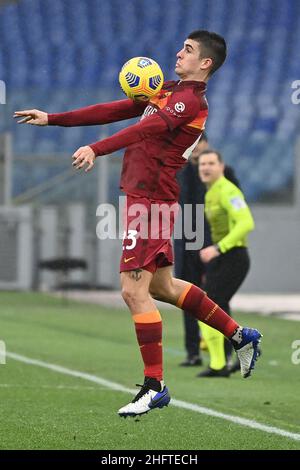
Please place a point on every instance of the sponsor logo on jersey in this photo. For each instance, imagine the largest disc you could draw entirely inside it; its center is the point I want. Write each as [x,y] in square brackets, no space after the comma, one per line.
[179,107]
[172,111]
[126,260]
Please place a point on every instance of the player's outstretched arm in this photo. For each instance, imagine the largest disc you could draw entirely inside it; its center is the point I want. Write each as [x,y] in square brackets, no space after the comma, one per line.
[85,156]
[32,116]
[102,113]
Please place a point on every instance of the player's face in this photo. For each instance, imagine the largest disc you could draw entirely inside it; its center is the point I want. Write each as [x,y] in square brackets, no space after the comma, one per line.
[189,65]
[210,169]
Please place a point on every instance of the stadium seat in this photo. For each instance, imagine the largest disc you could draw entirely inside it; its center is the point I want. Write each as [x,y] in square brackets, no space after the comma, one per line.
[249,100]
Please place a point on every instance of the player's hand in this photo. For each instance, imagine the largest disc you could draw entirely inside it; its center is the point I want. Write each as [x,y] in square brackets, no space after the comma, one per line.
[32,116]
[209,253]
[84,156]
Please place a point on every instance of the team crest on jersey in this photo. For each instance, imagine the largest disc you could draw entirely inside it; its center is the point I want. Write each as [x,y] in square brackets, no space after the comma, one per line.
[143,62]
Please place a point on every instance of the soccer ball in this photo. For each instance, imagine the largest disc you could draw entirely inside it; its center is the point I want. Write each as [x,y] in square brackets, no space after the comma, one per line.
[141,78]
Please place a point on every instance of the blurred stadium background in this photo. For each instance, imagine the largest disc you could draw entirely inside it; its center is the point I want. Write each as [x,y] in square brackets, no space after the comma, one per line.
[58,55]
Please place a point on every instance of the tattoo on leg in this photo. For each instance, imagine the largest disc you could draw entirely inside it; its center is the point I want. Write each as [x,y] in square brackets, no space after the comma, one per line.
[136,274]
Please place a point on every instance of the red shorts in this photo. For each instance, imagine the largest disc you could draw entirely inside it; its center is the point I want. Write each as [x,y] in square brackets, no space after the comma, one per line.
[148,228]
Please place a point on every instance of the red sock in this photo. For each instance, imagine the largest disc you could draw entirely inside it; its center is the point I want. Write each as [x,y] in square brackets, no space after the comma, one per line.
[148,327]
[202,307]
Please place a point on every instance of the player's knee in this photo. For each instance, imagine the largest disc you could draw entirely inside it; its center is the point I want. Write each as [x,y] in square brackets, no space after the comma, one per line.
[131,296]
[127,294]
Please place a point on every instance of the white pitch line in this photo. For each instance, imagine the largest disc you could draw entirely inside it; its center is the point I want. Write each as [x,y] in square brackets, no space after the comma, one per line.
[178,403]
[52,387]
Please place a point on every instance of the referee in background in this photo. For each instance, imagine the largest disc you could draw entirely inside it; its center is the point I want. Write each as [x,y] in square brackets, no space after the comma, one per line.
[188,265]
[227,259]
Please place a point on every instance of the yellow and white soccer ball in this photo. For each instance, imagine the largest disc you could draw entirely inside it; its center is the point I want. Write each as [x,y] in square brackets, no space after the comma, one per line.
[141,78]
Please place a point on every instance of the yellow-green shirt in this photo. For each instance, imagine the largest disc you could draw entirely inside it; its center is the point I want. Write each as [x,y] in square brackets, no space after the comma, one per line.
[228,215]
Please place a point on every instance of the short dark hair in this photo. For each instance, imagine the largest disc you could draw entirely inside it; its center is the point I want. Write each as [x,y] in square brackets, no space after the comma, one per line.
[212,45]
[206,151]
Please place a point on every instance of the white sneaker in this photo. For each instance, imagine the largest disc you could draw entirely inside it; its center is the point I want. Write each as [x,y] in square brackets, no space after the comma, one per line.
[246,342]
[147,399]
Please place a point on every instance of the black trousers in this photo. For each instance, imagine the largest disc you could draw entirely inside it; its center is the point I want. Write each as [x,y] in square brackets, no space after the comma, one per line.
[225,274]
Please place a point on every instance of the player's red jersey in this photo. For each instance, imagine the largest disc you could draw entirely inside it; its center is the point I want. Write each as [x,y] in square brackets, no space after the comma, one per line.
[157,146]
[150,165]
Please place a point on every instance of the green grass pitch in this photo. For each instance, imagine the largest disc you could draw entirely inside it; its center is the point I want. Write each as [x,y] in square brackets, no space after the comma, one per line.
[43,409]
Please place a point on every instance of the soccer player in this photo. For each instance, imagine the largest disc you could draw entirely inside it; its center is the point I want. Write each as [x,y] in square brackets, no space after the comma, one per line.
[227,259]
[156,148]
